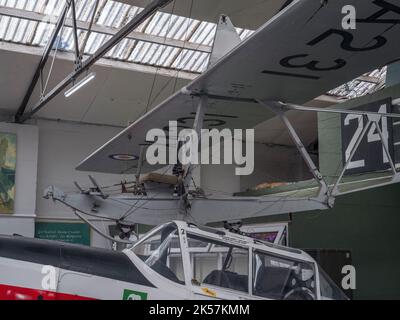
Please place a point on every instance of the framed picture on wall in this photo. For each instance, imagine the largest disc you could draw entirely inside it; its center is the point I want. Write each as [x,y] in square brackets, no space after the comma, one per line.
[8,163]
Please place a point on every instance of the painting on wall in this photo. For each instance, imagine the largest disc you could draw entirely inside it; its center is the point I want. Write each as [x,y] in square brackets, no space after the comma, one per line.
[8,162]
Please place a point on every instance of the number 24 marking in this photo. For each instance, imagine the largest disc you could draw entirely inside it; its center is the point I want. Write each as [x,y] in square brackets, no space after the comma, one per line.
[373,136]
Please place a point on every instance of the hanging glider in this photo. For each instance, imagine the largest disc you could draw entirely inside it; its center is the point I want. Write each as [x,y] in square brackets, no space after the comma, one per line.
[298,55]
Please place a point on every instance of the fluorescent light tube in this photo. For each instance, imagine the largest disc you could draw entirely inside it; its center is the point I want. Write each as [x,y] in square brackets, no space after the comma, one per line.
[80,84]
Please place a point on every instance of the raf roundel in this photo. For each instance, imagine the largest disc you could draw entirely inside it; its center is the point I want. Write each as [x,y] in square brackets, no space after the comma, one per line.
[124,157]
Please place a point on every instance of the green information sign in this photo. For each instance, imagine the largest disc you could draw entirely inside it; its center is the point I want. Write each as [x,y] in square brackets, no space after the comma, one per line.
[134,295]
[78,233]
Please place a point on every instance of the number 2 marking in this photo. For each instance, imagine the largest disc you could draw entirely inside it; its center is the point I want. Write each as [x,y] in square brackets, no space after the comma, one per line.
[350,147]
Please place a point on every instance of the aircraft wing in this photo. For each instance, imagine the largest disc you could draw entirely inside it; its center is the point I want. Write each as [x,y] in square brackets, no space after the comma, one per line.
[296,56]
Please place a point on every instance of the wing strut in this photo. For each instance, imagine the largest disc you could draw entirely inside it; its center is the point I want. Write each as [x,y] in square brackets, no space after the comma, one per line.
[197,126]
[290,106]
[140,163]
[274,107]
[97,188]
[330,192]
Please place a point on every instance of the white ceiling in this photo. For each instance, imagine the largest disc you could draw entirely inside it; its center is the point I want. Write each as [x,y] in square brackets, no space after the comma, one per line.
[14,70]
[116,96]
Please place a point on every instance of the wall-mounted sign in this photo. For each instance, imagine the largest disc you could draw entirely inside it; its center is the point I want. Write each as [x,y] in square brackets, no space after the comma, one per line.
[274,233]
[78,233]
[8,163]
[370,155]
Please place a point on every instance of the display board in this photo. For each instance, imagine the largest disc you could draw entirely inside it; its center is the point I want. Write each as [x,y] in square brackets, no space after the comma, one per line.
[78,233]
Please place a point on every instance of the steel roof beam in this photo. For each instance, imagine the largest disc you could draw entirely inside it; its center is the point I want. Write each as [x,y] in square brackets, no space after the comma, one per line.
[153,7]
[103,62]
[85,26]
[42,62]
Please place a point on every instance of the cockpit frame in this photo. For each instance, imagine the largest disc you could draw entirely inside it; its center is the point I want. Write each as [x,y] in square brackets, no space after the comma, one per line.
[189,240]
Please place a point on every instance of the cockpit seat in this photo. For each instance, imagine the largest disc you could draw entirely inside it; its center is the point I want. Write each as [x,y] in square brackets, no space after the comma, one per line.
[227,279]
[166,272]
[271,282]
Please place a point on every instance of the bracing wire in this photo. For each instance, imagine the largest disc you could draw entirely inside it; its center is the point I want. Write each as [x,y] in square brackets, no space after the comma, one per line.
[54,56]
[149,100]
[181,55]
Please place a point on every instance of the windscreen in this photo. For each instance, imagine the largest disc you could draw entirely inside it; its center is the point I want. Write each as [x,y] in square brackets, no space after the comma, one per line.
[329,290]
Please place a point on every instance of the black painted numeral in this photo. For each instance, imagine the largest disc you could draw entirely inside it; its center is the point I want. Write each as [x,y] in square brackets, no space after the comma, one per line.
[347,39]
[312,65]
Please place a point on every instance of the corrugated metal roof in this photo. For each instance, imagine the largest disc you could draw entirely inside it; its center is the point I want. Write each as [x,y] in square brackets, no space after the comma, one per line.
[115,14]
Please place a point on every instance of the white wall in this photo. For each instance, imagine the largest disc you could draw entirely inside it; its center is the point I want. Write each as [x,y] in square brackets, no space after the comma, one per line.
[62,146]
[22,220]
[47,153]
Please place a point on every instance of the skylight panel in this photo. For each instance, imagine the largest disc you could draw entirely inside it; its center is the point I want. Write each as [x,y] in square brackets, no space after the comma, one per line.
[21,4]
[20,31]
